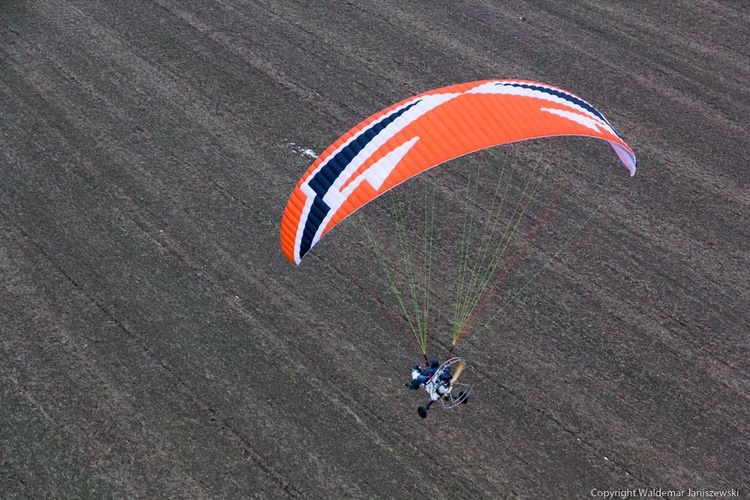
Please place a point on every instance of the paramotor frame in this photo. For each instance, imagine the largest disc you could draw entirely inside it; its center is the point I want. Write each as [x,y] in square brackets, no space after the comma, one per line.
[457,392]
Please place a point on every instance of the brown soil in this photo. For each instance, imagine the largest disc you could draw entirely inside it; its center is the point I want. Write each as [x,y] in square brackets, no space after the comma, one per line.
[156,343]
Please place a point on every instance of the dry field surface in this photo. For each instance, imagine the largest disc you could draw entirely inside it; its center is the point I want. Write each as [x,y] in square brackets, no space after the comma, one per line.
[155,342]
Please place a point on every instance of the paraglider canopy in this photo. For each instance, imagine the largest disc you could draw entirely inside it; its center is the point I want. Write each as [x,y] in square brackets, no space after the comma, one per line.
[422,132]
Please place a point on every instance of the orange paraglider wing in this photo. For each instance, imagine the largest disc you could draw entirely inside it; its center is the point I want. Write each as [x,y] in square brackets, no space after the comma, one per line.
[426,130]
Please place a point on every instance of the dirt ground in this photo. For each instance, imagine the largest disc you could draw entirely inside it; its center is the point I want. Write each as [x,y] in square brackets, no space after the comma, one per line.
[155,342]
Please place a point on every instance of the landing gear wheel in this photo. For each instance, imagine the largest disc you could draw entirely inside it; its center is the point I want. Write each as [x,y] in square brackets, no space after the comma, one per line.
[422,411]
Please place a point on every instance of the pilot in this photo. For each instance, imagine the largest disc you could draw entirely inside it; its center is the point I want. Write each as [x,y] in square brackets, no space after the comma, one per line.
[421,375]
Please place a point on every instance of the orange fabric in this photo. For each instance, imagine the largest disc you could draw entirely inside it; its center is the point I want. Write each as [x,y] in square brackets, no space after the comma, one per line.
[466,123]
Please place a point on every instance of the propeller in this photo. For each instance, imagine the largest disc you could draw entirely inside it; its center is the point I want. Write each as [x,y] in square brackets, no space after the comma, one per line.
[457,372]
